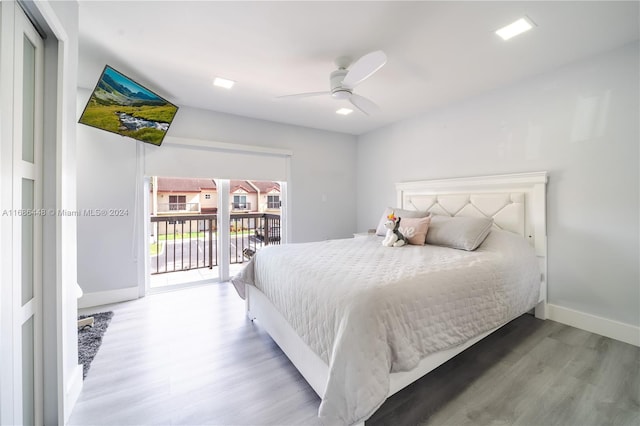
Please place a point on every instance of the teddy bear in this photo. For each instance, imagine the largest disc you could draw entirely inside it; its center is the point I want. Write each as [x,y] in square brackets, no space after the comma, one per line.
[394,237]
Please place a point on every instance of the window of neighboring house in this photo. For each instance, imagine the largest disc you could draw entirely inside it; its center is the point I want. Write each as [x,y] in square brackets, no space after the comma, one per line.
[273,201]
[240,202]
[177,202]
[207,196]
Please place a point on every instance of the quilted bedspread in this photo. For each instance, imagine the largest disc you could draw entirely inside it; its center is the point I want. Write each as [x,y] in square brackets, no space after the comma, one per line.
[369,310]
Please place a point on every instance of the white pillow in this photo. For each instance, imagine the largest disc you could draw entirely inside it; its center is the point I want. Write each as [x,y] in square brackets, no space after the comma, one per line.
[459,232]
[381,230]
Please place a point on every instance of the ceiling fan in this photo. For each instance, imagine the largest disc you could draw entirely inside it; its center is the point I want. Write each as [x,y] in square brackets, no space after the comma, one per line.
[343,80]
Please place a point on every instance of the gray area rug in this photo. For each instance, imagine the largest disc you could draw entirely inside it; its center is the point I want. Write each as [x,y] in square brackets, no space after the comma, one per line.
[90,339]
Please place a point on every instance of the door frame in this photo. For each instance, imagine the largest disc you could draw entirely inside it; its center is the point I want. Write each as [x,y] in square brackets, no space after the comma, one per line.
[223,222]
[143,176]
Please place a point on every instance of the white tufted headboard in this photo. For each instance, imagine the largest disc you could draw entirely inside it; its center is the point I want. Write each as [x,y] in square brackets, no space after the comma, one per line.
[507,209]
[516,202]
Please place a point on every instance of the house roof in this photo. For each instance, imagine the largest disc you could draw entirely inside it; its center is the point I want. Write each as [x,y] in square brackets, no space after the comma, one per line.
[168,184]
[235,185]
[185,184]
[266,186]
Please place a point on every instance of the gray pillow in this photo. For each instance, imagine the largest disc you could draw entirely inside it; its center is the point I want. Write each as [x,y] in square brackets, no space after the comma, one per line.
[459,232]
[381,230]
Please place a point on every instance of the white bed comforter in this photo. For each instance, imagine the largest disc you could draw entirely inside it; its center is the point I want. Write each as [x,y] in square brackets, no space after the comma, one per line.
[368,310]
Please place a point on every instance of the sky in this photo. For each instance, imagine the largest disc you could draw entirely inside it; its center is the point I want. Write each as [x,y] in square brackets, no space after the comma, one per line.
[126,82]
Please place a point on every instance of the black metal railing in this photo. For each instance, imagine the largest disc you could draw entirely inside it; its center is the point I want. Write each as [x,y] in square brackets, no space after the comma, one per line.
[184,242]
[248,231]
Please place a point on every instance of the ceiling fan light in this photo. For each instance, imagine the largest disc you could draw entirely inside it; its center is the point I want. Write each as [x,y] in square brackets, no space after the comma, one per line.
[344,111]
[341,94]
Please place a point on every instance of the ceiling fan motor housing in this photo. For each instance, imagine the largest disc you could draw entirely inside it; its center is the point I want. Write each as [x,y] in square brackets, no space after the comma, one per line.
[337,91]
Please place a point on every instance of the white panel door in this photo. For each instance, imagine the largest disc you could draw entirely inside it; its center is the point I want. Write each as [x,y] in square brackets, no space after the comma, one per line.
[27,221]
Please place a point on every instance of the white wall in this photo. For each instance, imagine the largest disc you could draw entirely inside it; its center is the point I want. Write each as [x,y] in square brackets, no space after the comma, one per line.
[580,123]
[322,164]
[106,180]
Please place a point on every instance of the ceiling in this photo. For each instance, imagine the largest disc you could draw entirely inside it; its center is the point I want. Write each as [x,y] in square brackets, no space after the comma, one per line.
[438,52]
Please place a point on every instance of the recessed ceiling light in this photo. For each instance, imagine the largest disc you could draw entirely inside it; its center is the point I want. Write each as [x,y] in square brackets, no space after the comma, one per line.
[518,27]
[344,111]
[223,82]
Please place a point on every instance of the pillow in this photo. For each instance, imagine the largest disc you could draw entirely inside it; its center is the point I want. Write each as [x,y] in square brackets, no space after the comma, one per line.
[415,229]
[382,231]
[459,232]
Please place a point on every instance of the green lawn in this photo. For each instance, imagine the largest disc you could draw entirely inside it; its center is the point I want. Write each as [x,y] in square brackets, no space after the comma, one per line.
[104,117]
[155,248]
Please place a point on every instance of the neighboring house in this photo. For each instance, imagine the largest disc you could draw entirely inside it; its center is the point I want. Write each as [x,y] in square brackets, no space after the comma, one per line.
[243,196]
[183,196]
[268,196]
[196,196]
[171,196]
[254,196]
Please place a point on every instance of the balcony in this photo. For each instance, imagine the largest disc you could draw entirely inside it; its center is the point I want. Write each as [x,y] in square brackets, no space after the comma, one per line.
[238,206]
[188,242]
[172,208]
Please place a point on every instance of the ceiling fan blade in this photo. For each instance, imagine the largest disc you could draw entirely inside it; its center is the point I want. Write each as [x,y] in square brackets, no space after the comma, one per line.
[303,95]
[363,68]
[363,104]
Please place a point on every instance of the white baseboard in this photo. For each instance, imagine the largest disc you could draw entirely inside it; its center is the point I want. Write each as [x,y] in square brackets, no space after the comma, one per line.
[605,327]
[98,298]
[72,392]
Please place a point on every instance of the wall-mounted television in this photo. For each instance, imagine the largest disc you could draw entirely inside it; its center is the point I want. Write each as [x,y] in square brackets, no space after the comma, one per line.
[120,105]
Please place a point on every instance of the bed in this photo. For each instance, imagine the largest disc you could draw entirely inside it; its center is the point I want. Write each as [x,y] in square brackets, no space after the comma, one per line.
[361,321]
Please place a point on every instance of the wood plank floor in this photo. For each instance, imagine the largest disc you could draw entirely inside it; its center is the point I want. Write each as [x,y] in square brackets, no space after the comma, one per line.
[191,357]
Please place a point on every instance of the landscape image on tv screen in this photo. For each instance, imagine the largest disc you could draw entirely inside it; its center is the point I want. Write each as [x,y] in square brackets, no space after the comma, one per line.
[120,105]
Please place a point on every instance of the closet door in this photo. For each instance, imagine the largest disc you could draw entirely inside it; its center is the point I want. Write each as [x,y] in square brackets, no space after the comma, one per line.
[27,221]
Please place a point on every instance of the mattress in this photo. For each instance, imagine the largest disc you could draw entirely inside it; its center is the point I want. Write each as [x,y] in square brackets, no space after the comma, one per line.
[368,310]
